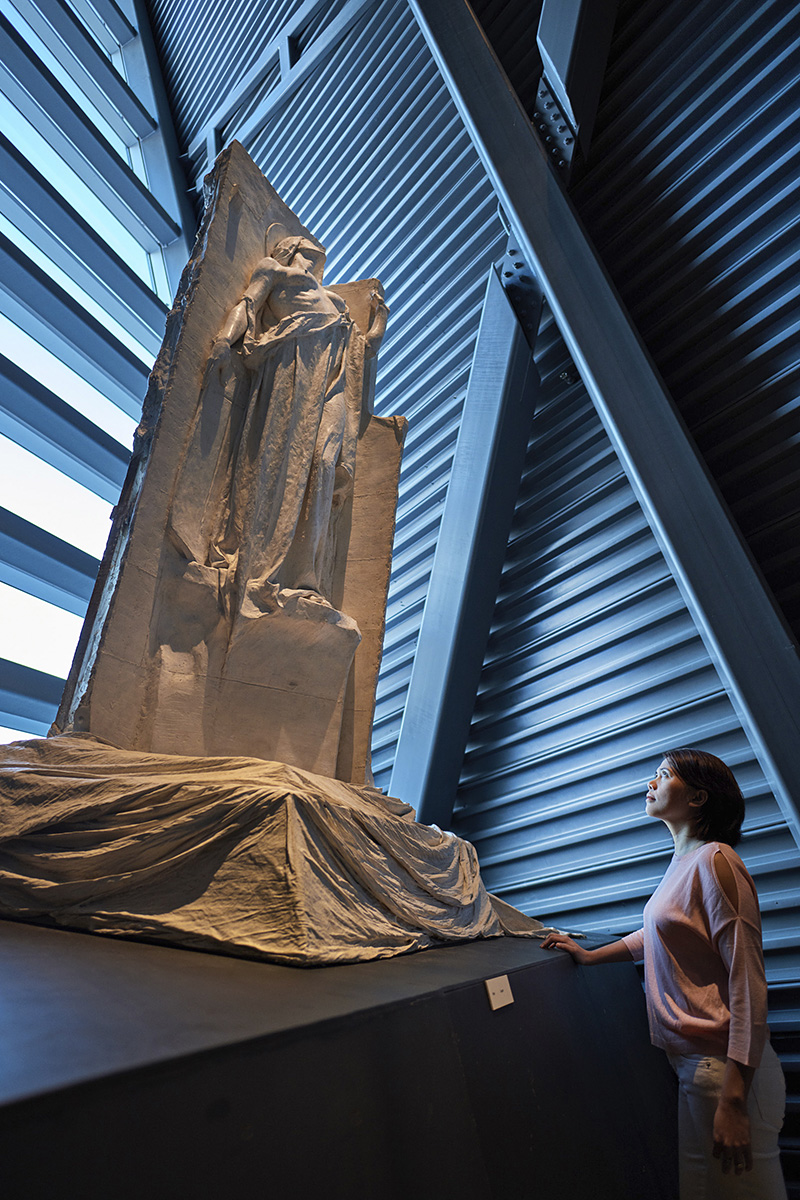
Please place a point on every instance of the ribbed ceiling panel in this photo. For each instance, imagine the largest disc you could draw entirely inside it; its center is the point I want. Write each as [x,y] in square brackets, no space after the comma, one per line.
[692,199]
[207,48]
[511,28]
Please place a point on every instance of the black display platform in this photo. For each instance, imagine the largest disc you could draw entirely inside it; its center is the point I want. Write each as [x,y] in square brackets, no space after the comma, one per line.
[136,1070]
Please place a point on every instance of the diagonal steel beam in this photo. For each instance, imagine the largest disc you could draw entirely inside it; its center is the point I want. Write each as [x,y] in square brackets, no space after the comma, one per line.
[735,614]
[471,548]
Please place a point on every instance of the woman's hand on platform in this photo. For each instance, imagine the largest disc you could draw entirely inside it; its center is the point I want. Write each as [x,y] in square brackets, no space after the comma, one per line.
[562,941]
[612,952]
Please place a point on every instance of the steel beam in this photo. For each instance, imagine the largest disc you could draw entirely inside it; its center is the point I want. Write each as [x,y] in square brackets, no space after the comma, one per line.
[38,95]
[481,495]
[749,643]
[33,417]
[574,38]
[28,698]
[34,302]
[36,562]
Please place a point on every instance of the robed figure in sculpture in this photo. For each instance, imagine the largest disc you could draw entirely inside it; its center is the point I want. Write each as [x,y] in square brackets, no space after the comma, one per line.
[289,362]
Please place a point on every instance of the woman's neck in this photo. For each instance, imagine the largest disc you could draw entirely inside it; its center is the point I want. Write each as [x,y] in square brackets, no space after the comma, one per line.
[685,839]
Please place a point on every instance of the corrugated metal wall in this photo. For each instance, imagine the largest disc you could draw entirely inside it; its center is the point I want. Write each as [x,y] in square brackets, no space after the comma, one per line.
[207,49]
[593,668]
[692,199]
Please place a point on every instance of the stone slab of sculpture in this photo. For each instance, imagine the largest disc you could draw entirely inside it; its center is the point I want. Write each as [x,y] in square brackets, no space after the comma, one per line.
[241,600]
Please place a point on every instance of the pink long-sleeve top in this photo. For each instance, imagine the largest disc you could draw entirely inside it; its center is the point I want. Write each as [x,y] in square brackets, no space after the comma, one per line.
[703,963]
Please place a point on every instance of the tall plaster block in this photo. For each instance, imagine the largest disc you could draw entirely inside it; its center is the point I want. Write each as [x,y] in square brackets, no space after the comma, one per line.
[286,689]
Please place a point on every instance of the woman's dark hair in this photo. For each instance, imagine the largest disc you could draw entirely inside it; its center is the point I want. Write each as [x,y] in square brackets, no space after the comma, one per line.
[721,815]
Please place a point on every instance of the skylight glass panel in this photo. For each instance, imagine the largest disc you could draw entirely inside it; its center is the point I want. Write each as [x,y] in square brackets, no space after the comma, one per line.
[63,382]
[42,155]
[42,495]
[73,289]
[69,85]
[13,735]
[37,634]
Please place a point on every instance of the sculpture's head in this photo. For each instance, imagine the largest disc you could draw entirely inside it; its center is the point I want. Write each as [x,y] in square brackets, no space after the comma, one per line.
[286,249]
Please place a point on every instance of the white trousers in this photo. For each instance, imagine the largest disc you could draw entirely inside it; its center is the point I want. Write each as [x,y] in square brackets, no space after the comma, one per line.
[699,1086]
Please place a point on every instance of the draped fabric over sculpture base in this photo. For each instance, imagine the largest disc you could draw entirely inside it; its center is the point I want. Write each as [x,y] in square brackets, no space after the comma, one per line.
[237,855]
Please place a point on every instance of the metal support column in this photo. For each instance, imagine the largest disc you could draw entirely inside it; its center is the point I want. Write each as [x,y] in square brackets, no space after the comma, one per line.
[481,495]
[735,614]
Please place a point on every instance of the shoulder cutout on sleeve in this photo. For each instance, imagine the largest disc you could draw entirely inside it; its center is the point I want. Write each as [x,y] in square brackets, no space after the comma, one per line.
[727,879]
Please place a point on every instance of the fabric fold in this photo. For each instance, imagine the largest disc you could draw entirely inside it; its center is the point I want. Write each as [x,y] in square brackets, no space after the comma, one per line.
[237,855]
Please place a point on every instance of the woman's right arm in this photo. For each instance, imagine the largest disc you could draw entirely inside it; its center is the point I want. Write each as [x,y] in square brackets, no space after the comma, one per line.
[612,953]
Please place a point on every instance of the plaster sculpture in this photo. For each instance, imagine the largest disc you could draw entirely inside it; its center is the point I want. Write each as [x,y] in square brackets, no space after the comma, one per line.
[205,783]
[241,601]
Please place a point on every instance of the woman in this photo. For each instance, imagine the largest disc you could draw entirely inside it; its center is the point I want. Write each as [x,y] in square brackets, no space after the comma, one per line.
[705,985]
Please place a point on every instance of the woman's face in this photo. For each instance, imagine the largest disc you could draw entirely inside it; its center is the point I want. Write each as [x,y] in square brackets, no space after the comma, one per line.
[669,798]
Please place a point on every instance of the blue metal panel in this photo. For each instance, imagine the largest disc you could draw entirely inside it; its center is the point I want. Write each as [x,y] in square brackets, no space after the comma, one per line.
[724,593]
[207,49]
[692,199]
[36,303]
[511,28]
[315,29]
[33,417]
[34,90]
[42,565]
[593,669]
[28,698]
